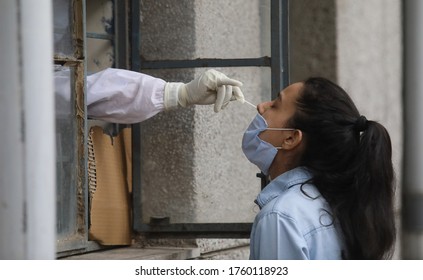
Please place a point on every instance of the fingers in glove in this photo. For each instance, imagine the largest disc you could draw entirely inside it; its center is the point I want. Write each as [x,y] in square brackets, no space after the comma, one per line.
[228,94]
[224,94]
[225,105]
[219,98]
[228,81]
[237,94]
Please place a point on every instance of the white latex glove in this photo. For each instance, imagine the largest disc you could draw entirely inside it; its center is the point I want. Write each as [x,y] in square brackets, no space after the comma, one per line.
[211,87]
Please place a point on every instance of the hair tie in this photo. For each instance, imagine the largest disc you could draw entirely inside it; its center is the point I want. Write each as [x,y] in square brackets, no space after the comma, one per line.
[360,124]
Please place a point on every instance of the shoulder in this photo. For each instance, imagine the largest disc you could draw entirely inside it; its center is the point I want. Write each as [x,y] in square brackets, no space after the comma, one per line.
[302,205]
[298,199]
[301,221]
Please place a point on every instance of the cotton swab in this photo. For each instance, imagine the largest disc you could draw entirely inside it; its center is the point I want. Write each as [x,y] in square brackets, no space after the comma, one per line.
[251,104]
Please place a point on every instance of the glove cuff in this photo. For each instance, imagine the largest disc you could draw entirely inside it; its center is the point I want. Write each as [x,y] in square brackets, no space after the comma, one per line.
[171,95]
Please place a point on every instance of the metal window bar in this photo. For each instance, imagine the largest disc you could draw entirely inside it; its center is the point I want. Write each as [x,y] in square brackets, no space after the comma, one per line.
[279,64]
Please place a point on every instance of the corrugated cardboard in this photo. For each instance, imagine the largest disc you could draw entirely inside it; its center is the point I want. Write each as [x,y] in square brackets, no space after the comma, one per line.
[110,187]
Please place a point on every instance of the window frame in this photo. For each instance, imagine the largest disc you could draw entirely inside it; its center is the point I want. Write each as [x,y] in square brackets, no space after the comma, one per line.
[79,242]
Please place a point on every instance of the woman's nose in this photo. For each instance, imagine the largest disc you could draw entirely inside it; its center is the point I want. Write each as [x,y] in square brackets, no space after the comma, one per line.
[262,107]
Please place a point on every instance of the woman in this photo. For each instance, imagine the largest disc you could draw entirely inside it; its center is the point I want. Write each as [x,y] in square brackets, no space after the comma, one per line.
[332,181]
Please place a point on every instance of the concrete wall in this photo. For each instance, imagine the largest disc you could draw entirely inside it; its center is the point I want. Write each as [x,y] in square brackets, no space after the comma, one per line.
[195,169]
[313,39]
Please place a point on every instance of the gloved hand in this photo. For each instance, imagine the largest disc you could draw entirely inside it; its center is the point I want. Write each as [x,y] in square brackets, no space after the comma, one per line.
[211,87]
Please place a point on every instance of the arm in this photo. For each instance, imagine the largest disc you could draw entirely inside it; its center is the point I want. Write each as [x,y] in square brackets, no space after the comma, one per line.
[114,95]
[275,236]
[123,96]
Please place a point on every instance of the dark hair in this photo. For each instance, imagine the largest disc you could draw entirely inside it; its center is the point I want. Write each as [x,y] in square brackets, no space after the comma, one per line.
[350,159]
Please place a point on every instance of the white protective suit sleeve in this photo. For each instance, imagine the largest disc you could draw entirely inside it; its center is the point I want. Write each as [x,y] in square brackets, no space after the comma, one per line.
[122,96]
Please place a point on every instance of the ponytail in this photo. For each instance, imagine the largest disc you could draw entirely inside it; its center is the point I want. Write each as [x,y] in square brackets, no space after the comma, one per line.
[370,232]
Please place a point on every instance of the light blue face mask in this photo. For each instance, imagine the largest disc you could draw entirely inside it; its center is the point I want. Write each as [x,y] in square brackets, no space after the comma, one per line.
[257,151]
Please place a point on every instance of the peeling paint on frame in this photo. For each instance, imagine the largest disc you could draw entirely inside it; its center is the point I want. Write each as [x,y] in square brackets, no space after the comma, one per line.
[78,27]
[80,239]
[80,122]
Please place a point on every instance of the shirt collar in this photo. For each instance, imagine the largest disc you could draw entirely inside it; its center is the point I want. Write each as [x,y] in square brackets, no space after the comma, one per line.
[282,183]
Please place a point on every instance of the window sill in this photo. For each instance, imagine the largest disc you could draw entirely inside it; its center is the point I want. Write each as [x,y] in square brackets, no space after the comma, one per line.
[133,253]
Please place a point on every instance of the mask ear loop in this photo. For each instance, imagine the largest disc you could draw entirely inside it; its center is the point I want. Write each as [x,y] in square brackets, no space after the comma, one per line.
[281,129]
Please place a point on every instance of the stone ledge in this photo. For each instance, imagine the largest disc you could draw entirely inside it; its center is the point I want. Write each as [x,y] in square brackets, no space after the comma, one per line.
[133,253]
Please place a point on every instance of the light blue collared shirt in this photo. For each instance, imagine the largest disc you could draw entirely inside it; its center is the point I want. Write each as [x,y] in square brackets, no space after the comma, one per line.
[294,221]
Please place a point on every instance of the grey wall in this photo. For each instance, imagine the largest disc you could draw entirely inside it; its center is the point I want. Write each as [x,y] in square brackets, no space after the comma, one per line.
[312,39]
[193,167]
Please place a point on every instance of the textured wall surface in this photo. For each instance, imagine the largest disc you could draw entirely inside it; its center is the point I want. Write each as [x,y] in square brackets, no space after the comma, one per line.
[193,166]
[167,32]
[312,39]
[225,180]
[370,62]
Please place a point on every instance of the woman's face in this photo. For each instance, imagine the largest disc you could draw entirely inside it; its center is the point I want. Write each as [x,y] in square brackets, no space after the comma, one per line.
[277,112]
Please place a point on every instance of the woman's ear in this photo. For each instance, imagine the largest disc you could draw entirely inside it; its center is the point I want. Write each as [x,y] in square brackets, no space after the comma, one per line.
[292,139]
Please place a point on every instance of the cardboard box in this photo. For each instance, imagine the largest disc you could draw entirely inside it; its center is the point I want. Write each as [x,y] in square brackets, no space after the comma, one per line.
[110,183]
